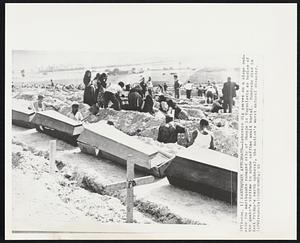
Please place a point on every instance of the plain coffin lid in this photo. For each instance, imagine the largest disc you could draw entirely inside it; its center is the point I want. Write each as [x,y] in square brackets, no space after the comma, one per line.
[22,108]
[97,134]
[55,120]
[113,133]
[210,157]
[58,116]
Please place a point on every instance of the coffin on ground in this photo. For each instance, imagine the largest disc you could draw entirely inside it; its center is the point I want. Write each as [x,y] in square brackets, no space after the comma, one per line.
[106,141]
[22,116]
[206,171]
[59,122]
[58,125]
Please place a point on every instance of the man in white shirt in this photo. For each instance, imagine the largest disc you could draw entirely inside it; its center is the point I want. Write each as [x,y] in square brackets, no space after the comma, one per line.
[75,114]
[39,105]
[202,137]
[188,87]
[113,93]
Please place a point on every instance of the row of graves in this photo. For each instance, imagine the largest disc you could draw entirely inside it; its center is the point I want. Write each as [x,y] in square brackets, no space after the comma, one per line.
[205,171]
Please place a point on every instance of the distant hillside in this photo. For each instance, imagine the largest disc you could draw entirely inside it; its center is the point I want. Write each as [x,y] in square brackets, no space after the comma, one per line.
[219,75]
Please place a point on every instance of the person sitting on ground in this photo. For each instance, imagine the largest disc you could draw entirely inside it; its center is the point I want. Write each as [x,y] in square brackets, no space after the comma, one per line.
[147,105]
[217,105]
[39,105]
[112,94]
[202,138]
[137,88]
[168,133]
[75,114]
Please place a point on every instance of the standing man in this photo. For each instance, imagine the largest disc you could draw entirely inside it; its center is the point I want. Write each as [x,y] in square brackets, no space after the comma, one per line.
[176,86]
[229,92]
[216,94]
[165,87]
[188,88]
[143,85]
[150,86]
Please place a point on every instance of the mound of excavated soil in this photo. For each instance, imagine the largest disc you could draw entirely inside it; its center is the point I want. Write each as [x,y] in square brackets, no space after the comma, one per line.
[64,193]
[224,126]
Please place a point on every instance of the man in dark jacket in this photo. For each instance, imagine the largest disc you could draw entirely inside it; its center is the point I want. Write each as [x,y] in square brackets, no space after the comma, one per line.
[176,86]
[168,133]
[229,92]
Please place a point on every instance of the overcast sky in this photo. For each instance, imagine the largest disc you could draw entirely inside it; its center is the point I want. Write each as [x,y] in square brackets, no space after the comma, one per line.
[208,34]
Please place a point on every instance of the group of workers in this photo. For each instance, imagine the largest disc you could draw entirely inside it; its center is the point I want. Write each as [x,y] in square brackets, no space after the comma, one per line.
[223,102]
[98,93]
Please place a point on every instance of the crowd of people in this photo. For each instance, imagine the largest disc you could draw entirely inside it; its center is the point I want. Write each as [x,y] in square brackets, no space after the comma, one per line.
[101,94]
[224,101]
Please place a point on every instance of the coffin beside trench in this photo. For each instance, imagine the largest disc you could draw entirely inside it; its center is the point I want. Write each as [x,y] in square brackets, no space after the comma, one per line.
[22,116]
[103,140]
[205,171]
[59,122]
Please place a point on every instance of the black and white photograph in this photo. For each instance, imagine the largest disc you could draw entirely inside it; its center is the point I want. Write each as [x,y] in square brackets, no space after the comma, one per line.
[128,114]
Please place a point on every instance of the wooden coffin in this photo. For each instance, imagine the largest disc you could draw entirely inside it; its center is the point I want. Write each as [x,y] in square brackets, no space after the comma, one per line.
[22,116]
[59,122]
[106,141]
[206,171]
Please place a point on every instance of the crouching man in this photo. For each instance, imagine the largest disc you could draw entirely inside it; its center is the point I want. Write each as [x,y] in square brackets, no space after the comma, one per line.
[168,133]
[112,94]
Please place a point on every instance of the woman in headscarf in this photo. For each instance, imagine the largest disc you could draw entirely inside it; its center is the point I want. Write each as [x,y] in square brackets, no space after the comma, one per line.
[89,89]
[101,85]
[147,105]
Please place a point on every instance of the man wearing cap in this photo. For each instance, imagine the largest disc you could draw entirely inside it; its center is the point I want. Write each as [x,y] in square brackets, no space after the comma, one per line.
[75,114]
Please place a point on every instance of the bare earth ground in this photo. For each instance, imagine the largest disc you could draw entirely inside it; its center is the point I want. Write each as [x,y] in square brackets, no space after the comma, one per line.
[68,198]
[67,202]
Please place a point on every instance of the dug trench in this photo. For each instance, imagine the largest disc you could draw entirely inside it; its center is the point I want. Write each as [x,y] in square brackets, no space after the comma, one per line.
[159,201]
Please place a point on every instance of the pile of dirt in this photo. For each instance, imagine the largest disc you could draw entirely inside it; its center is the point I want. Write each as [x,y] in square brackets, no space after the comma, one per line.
[131,122]
[101,208]
[224,126]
